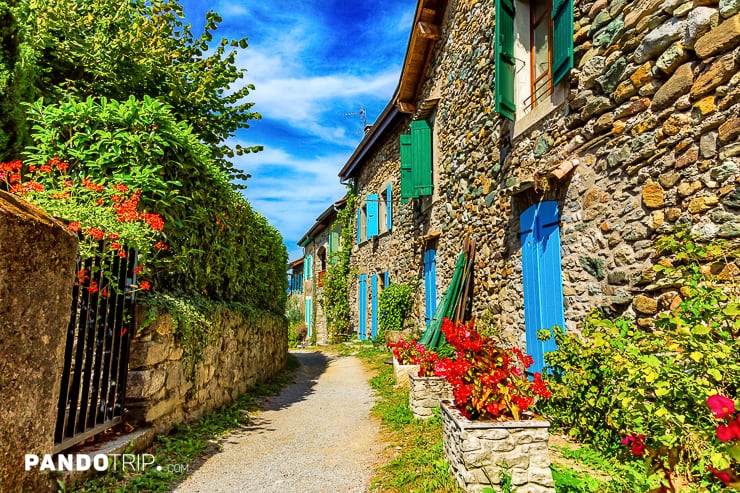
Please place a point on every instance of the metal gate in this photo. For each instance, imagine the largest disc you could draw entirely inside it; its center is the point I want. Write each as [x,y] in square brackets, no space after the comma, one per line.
[93,387]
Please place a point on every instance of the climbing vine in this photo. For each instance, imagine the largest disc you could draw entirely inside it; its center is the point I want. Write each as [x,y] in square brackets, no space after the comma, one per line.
[335,297]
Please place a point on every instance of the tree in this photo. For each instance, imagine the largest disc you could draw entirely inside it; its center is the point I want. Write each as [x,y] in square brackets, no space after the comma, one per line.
[114,49]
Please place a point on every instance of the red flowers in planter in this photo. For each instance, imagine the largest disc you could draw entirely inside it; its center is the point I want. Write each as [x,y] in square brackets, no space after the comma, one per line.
[488,382]
[728,432]
[413,353]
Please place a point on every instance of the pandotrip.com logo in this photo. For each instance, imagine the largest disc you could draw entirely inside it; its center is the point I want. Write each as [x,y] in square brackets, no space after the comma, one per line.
[98,462]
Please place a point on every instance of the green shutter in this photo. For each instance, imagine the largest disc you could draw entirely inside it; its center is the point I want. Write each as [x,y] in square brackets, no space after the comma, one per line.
[421,161]
[359,225]
[505,62]
[333,247]
[562,39]
[407,187]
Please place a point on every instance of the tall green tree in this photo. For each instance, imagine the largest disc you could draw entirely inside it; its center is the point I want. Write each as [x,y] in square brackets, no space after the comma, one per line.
[13,86]
[117,49]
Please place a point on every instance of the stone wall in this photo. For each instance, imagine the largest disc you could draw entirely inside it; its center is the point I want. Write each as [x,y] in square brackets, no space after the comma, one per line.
[650,126]
[478,451]
[164,390]
[425,394]
[37,269]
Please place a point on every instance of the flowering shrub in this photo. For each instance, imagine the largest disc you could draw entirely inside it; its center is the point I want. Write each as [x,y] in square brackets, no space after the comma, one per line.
[105,216]
[728,432]
[413,353]
[488,382]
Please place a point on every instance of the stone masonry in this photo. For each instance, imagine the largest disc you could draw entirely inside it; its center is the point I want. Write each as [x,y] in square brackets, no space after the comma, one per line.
[645,141]
[478,451]
[425,394]
[161,391]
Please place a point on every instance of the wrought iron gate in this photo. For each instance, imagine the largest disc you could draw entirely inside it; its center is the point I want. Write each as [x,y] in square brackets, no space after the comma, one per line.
[96,354]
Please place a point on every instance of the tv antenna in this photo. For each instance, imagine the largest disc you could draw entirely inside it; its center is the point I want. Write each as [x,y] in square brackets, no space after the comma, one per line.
[362,112]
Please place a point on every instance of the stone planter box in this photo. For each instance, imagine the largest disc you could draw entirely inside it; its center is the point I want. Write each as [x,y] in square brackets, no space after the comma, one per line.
[479,450]
[425,394]
[402,372]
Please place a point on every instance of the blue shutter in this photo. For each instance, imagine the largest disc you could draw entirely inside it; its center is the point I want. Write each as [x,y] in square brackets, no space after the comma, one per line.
[542,276]
[386,279]
[372,215]
[505,62]
[407,185]
[430,283]
[363,307]
[308,314]
[374,307]
[562,39]
[359,225]
[389,207]
[421,160]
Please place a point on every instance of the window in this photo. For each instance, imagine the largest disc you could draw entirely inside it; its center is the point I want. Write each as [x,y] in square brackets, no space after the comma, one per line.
[416,161]
[367,218]
[307,266]
[322,258]
[534,53]
[333,247]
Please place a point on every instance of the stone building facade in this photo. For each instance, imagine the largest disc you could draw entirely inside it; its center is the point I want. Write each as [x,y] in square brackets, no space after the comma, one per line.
[319,244]
[636,135]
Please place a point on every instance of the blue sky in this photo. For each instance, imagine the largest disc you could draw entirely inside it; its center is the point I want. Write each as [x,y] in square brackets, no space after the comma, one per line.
[312,62]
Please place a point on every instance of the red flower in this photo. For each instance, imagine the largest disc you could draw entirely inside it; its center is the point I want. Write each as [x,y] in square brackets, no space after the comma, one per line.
[154,221]
[45,169]
[145,285]
[104,292]
[115,246]
[74,226]
[160,246]
[34,186]
[636,443]
[721,475]
[120,188]
[721,406]
[68,183]
[122,254]
[138,269]
[93,288]
[728,432]
[113,236]
[82,275]
[96,233]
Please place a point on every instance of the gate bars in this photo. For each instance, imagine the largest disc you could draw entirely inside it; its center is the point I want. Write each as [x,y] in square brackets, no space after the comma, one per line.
[93,387]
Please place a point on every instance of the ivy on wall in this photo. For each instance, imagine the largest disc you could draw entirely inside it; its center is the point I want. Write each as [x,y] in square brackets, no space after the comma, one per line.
[335,296]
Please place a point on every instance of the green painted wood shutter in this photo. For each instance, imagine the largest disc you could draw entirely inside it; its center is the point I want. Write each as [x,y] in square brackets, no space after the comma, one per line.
[407,186]
[421,162]
[562,39]
[372,216]
[389,207]
[333,247]
[505,62]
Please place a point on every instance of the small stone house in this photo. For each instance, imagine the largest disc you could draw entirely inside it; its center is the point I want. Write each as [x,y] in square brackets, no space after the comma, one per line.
[563,136]
[320,244]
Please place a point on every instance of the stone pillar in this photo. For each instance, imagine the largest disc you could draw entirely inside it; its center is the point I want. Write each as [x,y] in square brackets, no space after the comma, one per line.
[37,268]
[478,451]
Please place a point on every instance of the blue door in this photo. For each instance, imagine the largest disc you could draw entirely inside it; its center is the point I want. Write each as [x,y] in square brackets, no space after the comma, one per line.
[363,307]
[430,283]
[543,277]
[374,306]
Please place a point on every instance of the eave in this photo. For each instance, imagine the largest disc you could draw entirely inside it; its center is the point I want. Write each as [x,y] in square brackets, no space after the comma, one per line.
[427,29]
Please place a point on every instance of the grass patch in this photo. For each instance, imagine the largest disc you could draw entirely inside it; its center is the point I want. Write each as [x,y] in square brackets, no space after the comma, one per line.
[186,445]
[418,463]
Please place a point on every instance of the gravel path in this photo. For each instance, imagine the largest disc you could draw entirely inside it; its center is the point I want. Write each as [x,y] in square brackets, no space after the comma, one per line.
[315,437]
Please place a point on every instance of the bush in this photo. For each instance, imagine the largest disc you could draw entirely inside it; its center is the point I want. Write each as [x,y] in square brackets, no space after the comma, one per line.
[650,385]
[394,307]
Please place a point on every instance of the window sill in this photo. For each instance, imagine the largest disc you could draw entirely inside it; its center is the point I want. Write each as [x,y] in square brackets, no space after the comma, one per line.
[528,120]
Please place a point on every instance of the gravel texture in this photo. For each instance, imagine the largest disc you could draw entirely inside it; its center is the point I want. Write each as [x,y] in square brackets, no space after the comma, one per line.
[317,436]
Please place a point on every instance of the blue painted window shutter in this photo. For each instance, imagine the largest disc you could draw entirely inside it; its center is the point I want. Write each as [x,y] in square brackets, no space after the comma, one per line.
[389,207]
[359,225]
[386,279]
[407,185]
[308,314]
[430,283]
[374,306]
[363,306]
[562,39]
[307,263]
[542,275]
[372,215]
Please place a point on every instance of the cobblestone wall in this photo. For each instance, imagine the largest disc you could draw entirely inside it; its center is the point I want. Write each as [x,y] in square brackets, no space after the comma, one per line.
[651,121]
[162,391]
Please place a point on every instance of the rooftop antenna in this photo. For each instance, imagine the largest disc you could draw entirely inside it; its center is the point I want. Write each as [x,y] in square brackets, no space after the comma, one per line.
[362,112]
